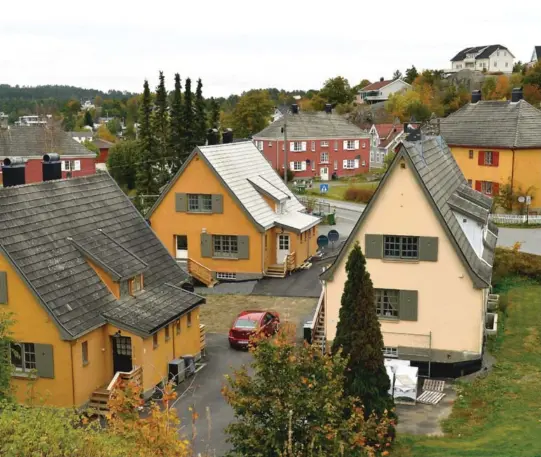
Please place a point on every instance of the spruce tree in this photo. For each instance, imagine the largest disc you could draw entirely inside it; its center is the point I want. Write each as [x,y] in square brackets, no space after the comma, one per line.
[358,335]
[177,127]
[200,115]
[188,118]
[88,119]
[145,182]
[160,128]
[214,114]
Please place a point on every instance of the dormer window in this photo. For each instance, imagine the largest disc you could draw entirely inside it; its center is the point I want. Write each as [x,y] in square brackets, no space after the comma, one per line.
[136,284]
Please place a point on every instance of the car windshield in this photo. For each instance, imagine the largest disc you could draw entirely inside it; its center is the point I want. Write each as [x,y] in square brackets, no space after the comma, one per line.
[245,323]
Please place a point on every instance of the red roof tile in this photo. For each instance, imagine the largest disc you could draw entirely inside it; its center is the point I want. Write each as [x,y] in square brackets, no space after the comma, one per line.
[377,85]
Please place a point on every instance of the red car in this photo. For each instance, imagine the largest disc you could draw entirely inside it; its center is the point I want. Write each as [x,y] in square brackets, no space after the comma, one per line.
[250,323]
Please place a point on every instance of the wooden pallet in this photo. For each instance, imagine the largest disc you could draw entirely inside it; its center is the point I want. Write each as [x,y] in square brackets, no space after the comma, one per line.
[433,385]
[430,398]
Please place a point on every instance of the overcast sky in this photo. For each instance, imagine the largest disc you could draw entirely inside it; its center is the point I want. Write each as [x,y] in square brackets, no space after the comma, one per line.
[240,44]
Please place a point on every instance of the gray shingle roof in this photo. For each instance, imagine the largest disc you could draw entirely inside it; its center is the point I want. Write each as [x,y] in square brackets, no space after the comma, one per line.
[494,124]
[118,261]
[35,141]
[86,134]
[36,224]
[443,182]
[309,125]
[236,165]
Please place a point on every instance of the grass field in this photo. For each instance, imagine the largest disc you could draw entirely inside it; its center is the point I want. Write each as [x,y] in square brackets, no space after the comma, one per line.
[336,192]
[220,310]
[500,415]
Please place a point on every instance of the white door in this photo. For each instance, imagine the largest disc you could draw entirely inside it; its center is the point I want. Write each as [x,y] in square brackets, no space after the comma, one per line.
[282,248]
[181,242]
[324,173]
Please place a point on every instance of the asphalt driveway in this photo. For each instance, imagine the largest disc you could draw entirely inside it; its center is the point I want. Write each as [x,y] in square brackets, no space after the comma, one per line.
[530,239]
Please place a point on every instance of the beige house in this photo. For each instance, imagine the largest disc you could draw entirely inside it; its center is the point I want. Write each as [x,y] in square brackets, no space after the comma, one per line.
[429,250]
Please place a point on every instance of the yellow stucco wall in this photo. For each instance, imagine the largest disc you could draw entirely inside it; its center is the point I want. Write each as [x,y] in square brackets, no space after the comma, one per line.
[448,304]
[113,286]
[166,222]
[33,325]
[527,168]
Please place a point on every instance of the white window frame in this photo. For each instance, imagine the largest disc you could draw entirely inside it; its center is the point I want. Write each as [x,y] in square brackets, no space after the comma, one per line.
[350,145]
[313,146]
[297,146]
[335,165]
[270,144]
[228,246]
[324,144]
[221,275]
[336,145]
[324,157]
[390,352]
[28,357]
[297,166]
[349,164]
[489,158]
[487,187]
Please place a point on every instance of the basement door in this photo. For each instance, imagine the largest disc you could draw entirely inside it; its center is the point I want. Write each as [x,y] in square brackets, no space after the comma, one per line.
[122,354]
[282,248]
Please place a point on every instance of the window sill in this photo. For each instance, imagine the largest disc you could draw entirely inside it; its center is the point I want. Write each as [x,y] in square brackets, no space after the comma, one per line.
[396,320]
[199,212]
[224,258]
[23,375]
[390,260]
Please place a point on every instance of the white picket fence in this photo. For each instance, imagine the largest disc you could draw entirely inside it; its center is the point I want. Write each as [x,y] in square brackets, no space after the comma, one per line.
[515,219]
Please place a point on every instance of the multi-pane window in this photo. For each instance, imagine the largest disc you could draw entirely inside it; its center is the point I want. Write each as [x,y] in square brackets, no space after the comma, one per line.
[200,203]
[486,187]
[136,284]
[313,165]
[488,157]
[401,247]
[349,164]
[225,245]
[313,146]
[231,276]
[324,157]
[336,145]
[297,166]
[389,351]
[336,165]
[84,350]
[297,146]
[350,144]
[23,356]
[386,302]
[324,144]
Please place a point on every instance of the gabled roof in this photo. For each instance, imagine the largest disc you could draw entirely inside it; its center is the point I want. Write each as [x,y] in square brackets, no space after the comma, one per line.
[377,85]
[493,123]
[484,52]
[238,166]
[35,141]
[388,132]
[442,181]
[537,52]
[307,125]
[38,227]
[102,144]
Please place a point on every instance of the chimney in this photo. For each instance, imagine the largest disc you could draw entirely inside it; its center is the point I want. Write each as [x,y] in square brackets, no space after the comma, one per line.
[212,137]
[51,167]
[476,96]
[295,108]
[13,171]
[381,79]
[516,94]
[328,108]
[227,136]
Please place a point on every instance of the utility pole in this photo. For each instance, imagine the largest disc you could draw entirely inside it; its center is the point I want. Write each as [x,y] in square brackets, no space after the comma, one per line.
[284,128]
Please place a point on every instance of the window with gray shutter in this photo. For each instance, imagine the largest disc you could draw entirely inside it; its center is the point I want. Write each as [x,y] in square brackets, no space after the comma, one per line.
[181,203]
[407,308]
[3,287]
[206,245]
[44,360]
[428,248]
[217,203]
[373,246]
[243,247]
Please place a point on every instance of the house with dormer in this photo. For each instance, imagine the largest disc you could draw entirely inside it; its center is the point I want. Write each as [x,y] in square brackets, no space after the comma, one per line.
[229,217]
[429,249]
[93,293]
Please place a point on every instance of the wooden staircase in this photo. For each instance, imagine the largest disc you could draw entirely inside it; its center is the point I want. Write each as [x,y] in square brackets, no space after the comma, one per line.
[317,334]
[100,397]
[201,273]
[280,270]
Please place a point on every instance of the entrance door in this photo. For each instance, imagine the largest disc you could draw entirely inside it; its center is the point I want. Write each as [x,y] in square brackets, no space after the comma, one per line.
[181,247]
[122,354]
[324,173]
[282,248]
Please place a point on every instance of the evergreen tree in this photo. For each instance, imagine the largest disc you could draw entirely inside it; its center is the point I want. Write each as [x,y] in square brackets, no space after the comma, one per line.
[177,127]
[200,115]
[214,114]
[160,128]
[88,119]
[358,335]
[397,74]
[188,118]
[411,74]
[145,182]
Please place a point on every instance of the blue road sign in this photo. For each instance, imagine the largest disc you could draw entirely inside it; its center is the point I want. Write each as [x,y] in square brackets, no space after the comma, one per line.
[323,188]
[322,241]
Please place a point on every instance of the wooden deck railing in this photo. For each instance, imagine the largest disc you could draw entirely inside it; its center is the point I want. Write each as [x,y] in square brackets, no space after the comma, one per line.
[290,262]
[135,375]
[202,337]
[200,272]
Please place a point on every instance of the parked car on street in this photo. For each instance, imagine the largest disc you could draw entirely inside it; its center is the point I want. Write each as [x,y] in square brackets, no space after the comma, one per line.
[252,323]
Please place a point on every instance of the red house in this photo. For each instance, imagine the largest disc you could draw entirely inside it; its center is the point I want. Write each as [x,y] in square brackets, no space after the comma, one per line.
[32,142]
[320,144]
[104,147]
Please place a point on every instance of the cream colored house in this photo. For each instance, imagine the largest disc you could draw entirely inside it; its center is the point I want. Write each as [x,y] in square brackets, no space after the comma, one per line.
[429,250]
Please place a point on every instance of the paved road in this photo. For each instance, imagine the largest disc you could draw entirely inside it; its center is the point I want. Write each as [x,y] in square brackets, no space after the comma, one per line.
[531,239]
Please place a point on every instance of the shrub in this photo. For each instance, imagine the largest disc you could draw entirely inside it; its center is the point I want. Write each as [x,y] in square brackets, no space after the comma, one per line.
[358,194]
[510,262]
[290,174]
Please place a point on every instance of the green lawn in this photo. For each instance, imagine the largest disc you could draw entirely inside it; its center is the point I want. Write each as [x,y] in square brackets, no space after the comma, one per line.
[500,415]
[336,192]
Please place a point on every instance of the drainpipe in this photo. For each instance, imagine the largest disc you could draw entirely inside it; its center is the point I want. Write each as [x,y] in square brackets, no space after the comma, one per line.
[174,332]
[72,376]
[513,171]
[277,156]
[263,237]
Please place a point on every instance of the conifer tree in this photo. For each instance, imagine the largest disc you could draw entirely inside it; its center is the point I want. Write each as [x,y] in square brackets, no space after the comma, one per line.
[214,114]
[358,335]
[177,127]
[160,128]
[188,118]
[145,182]
[200,115]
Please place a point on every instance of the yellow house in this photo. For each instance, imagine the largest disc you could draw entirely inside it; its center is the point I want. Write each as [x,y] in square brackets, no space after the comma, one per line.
[228,214]
[497,143]
[429,250]
[91,289]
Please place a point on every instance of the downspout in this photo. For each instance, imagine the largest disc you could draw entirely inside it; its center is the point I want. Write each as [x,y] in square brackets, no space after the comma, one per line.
[277,156]
[263,237]
[174,332]
[72,376]
[513,171]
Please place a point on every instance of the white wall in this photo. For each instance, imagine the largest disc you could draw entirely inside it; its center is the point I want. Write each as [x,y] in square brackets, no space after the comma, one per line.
[473,231]
[499,62]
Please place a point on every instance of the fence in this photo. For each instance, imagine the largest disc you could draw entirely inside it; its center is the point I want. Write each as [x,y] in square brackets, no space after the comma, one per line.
[318,206]
[517,219]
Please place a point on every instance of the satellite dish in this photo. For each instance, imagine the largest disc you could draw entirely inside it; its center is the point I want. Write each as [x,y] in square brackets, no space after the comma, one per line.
[333,235]
[521,199]
[322,241]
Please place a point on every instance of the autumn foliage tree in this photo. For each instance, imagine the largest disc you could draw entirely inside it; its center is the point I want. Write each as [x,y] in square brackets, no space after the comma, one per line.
[293,399]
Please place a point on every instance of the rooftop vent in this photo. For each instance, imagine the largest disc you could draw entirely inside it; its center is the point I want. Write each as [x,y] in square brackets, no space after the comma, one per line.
[295,108]
[212,137]
[13,171]
[516,95]
[227,136]
[328,108]
[476,96]
[51,167]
